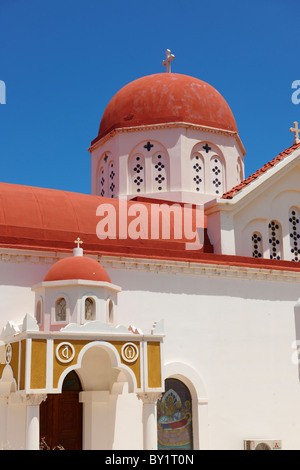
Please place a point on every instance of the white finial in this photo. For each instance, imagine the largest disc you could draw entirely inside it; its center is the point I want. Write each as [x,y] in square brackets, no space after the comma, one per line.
[78,251]
[168,59]
[296,131]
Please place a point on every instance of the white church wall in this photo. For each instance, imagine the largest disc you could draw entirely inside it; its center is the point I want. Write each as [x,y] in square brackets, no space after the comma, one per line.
[16,279]
[14,435]
[237,334]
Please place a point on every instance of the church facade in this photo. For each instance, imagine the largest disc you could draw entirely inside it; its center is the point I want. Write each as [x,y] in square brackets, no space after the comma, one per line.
[162,310]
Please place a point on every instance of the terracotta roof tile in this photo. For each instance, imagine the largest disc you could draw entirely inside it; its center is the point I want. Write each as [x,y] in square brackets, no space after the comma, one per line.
[263,169]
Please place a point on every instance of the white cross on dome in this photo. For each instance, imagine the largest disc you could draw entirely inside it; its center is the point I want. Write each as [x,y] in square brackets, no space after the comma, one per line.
[168,59]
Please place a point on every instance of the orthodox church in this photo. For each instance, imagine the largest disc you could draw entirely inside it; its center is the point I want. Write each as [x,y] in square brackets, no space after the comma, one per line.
[162,311]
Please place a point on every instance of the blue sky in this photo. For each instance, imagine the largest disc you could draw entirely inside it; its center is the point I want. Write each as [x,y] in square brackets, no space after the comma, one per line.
[63,60]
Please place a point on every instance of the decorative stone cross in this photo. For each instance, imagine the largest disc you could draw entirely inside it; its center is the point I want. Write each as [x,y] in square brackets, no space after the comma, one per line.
[296,131]
[79,242]
[168,59]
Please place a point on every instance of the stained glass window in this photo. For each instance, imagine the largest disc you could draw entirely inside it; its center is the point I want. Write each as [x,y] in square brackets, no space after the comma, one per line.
[174,417]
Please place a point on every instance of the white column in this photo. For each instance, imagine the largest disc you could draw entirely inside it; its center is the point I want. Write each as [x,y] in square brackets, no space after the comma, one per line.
[149,419]
[3,421]
[98,426]
[33,420]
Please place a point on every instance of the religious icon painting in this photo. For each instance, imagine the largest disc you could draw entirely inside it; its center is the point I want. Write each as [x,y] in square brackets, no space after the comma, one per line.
[174,417]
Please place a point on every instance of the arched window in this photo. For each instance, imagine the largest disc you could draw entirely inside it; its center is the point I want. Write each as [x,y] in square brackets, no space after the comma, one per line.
[89,309]
[240,171]
[197,172]
[216,175]
[102,182]
[160,172]
[111,179]
[38,312]
[110,312]
[174,417]
[294,220]
[136,171]
[275,240]
[106,176]
[257,247]
[61,310]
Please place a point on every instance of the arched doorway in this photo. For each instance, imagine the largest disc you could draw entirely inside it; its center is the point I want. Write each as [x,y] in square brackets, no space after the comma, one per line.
[61,417]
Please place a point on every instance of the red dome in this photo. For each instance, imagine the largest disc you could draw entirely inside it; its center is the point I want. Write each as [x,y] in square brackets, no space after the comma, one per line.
[77,267]
[167,97]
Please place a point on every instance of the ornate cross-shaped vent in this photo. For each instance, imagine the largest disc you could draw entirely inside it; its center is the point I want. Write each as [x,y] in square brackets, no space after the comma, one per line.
[148,146]
[206,148]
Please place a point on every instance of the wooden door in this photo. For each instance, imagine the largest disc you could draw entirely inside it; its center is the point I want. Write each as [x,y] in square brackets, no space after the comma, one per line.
[61,421]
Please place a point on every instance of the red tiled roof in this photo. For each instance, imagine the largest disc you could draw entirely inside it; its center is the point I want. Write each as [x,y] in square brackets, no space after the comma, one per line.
[34,218]
[266,167]
[50,220]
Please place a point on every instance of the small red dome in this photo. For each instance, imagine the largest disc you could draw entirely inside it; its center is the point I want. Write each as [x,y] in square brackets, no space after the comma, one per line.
[164,98]
[77,267]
